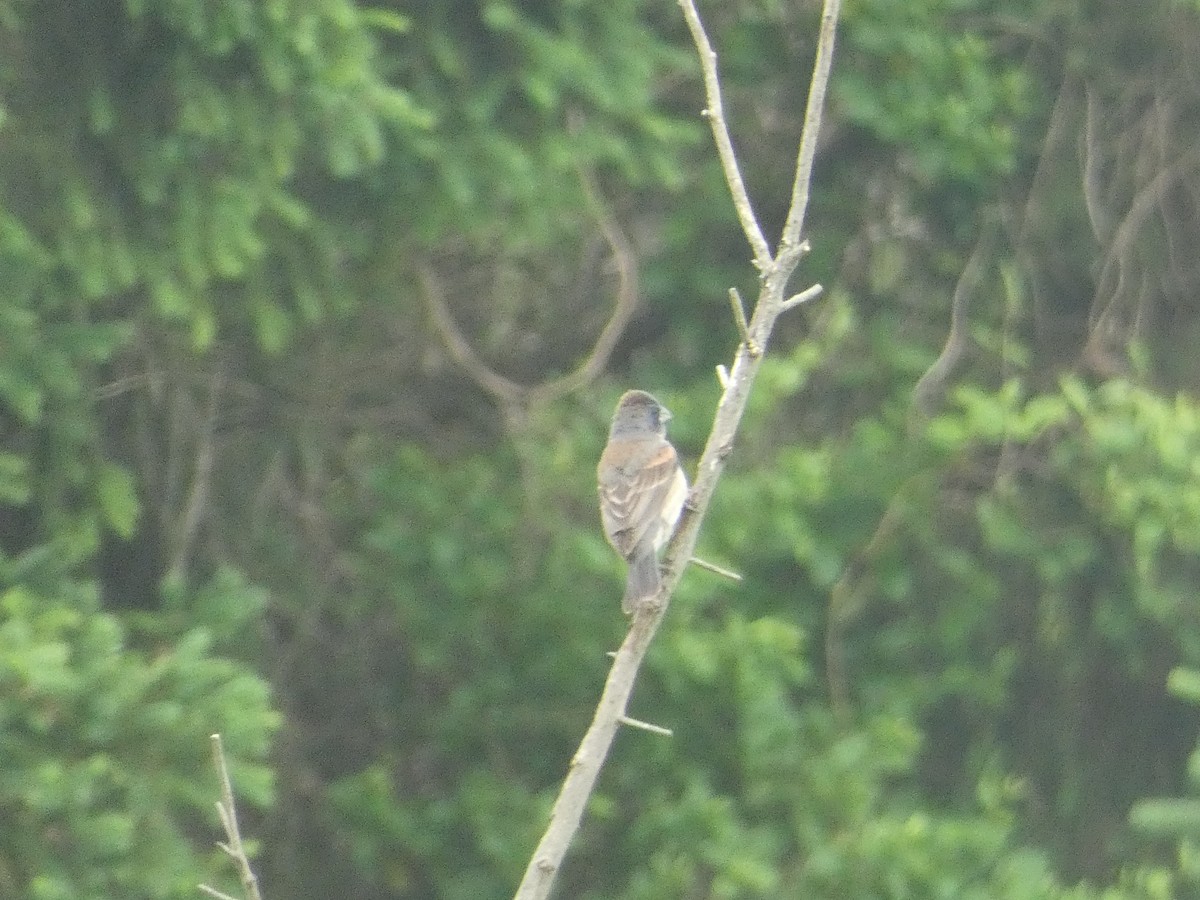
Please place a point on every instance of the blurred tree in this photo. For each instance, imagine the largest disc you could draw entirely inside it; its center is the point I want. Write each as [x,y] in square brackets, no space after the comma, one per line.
[230,433]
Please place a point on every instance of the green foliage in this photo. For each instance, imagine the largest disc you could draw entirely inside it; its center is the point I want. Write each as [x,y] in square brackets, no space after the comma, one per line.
[1014,542]
[1177,819]
[943,95]
[438,823]
[761,793]
[107,775]
[584,80]
[170,168]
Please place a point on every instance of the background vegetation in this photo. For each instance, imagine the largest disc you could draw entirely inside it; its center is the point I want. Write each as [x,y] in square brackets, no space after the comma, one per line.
[245,487]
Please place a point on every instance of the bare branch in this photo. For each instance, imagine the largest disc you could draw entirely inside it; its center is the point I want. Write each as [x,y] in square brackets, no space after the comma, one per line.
[931,386]
[794,224]
[456,342]
[585,765]
[228,815]
[1094,171]
[1035,212]
[1109,301]
[511,392]
[715,113]
[767,308]
[201,482]
[625,260]
[774,276]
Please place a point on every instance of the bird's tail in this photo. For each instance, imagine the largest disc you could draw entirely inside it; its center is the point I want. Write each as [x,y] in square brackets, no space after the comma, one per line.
[644,579]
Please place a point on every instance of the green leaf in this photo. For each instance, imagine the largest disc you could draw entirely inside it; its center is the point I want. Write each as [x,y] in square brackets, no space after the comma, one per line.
[117,494]
[388,20]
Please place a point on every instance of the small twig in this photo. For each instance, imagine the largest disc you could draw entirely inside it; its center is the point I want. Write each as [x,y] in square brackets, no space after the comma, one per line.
[715,569]
[121,386]
[743,327]
[646,726]
[739,314]
[715,113]
[227,812]
[809,293]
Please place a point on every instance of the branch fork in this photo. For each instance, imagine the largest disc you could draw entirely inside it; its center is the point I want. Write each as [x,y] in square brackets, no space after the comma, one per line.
[232,845]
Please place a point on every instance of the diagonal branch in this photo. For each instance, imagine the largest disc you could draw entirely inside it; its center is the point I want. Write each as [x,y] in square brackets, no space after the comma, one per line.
[233,844]
[794,225]
[775,274]
[715,113]
[1140,209]
[931,387]
[587,761]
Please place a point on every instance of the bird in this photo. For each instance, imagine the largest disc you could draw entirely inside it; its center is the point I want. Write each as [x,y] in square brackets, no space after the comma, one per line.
[642,490]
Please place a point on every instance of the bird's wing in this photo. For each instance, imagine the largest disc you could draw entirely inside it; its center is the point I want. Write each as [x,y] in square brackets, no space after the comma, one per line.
[632,496]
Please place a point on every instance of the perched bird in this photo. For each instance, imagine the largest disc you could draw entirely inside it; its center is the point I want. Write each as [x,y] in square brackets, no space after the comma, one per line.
[642,491]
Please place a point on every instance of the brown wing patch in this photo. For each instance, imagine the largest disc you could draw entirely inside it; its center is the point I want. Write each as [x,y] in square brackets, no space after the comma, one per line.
[633,488]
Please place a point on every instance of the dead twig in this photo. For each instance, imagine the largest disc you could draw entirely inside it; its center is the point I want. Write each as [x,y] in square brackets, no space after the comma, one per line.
[232,845]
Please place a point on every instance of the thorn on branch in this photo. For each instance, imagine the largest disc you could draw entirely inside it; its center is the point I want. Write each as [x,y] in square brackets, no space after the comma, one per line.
[645,726]
[716,570]
[722,376]
[810,293]
[743,326]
